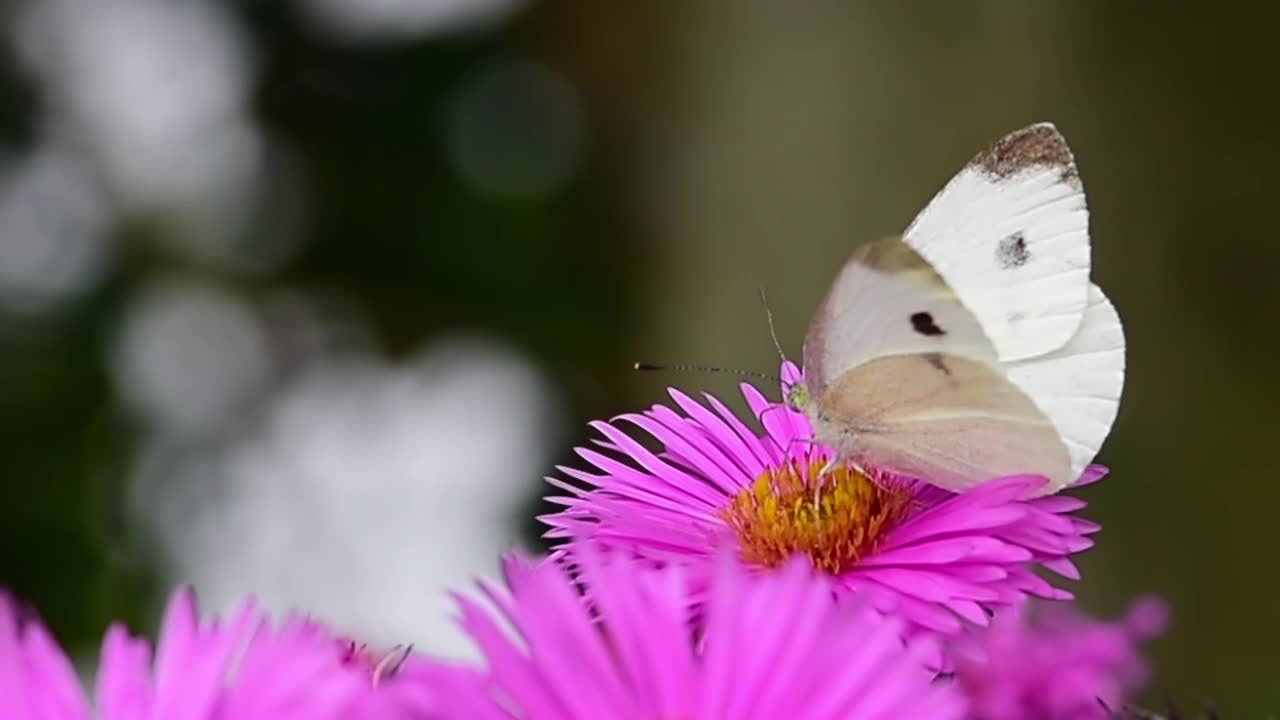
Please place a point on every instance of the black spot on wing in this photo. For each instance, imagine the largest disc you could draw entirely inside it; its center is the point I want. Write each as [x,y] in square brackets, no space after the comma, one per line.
[922,322]
[1012,252]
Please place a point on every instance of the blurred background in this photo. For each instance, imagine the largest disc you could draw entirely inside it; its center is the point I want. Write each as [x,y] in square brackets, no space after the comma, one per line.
[303,297]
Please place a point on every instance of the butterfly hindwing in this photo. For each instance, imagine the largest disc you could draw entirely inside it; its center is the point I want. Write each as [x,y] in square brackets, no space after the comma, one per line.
[1078,386]
[951,420]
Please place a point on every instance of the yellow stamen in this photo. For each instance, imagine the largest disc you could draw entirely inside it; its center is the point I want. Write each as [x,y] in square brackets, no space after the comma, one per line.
[780,515]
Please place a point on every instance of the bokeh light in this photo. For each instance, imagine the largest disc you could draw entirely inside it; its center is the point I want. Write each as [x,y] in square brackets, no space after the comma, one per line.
[365,20]
[362,493]
[54,242]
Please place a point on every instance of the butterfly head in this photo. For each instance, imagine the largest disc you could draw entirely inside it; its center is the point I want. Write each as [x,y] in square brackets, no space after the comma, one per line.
[797,397]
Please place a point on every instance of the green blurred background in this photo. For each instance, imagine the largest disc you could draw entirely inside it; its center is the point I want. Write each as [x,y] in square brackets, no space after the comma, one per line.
[201,203]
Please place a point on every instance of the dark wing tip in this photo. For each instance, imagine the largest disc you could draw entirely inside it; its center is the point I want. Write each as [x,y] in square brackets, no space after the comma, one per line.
[1039,145]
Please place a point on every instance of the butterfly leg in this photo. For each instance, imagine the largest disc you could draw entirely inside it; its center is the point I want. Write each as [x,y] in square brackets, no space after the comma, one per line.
[817,483]
[786,452]
[831,464]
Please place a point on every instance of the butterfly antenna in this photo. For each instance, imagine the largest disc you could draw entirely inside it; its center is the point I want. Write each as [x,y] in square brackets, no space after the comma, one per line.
[704,368]
[773,334]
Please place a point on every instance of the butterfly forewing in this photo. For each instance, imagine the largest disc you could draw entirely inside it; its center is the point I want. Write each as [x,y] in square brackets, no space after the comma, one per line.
[1010,235]
[887,301]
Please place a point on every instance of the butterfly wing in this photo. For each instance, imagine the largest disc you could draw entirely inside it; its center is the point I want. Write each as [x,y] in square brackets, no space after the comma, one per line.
[1010,235]
[975,346]
[1078,386]
[887,300]
[949,420]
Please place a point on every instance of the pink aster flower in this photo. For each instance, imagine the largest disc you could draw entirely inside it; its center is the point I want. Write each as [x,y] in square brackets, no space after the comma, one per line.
[243,669]
[905,546]
[772,646]
[1058,666]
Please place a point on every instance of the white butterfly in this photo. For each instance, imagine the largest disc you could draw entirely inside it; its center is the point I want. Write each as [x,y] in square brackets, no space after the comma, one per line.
[974,346]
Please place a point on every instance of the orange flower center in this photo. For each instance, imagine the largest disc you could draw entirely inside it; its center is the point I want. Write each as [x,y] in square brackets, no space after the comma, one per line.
[836,520]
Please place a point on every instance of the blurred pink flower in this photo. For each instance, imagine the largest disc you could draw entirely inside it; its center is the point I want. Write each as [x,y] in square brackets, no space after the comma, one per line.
[906,547]
[772,646]
[1058,665]
[244,669]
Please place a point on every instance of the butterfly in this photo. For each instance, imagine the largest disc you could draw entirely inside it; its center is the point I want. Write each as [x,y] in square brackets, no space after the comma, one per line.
[974,345]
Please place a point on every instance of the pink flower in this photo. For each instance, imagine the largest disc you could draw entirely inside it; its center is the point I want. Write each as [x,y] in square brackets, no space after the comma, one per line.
[1058,666]
[773,646]
[241,670]
[904,546]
